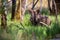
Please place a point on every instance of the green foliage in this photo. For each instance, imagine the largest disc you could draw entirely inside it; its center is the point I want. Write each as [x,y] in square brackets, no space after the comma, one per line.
[41,32]
[45,11]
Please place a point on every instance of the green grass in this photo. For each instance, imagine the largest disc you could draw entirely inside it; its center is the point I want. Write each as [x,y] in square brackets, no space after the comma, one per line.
[15,29]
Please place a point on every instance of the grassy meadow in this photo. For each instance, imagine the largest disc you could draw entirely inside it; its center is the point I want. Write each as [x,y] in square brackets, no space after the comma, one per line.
[27,31]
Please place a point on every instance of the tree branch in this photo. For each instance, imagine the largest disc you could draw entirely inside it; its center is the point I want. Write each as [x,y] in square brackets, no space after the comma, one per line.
[34,4]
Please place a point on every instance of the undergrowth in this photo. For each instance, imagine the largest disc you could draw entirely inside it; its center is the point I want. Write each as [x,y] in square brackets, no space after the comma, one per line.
[26,28]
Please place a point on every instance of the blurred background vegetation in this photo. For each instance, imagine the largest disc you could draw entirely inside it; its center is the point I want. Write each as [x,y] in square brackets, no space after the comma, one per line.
[27,31]
[15,31]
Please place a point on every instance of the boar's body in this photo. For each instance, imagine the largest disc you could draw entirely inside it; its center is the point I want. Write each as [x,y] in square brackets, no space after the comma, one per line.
[36,18]
[33,17]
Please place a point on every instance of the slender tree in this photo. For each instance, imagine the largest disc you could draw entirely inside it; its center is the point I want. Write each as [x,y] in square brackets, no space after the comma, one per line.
[13,9]
[49,6]
[55,9]
[4,14]
[40,5]
[34,3]
[20,9]
[23,6]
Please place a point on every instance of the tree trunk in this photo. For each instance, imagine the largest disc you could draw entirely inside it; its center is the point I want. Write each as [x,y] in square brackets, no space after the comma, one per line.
[13,9]
[34,3]
[53,8]
[23,9]
[20,9]
[40,5]
[56,13]
[3,15]
[3,21]
[49,7]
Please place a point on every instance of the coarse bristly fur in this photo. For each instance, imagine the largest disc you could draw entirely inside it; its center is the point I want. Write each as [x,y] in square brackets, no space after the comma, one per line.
[37,18]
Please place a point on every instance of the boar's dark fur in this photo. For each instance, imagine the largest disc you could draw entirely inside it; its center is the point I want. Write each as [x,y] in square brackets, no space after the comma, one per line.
[37,17]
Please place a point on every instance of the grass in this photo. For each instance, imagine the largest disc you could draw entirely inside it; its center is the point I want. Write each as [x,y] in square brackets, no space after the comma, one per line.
[17,32]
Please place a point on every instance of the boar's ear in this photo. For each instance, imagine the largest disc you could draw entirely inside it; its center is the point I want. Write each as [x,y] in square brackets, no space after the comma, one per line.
[38,11]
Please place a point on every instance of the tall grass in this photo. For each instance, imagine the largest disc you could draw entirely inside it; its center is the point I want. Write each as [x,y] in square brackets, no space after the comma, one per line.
[42,31]
[17,32]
